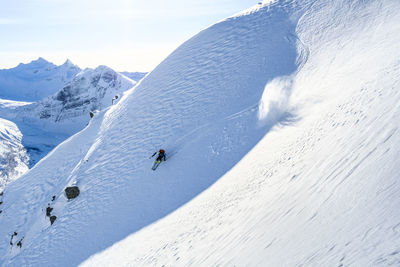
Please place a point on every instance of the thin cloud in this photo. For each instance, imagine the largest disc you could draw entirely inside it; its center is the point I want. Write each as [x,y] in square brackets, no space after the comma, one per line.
[4,21]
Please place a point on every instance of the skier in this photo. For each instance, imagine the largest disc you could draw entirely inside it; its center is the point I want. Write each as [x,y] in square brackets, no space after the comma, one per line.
[160,157]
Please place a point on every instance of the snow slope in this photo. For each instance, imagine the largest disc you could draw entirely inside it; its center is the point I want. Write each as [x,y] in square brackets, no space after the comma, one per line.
[281,131]
[35,80]
[48,122]
[320,192]
[13,156]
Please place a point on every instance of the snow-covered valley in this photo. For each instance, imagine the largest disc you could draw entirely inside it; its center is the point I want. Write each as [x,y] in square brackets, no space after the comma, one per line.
[281,129]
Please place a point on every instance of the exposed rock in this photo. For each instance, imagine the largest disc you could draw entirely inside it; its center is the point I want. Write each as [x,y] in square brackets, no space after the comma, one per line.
[12,237]
[52,219]
[48,211]
[19,244]
[72,192]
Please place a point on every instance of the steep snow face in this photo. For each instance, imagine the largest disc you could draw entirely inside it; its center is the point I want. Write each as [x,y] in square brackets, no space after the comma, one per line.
[13,156]
[200,105]
[35,80]
[304,175]
[323,191]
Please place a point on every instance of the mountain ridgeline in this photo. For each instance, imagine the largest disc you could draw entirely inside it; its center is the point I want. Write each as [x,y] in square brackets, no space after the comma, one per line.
[35,80]
[90,90]
[281,133]
[61,100]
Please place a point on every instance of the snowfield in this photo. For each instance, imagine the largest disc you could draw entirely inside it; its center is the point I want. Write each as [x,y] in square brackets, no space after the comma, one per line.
[281,130]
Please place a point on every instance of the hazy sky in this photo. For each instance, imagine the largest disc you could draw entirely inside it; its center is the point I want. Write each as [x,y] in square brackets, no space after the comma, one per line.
[132,35]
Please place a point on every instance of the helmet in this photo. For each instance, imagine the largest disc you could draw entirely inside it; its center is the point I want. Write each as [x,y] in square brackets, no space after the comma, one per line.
[162,150]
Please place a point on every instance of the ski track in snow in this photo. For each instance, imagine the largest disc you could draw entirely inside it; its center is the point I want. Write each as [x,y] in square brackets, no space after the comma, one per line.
[320,190]
[199,108]
[201,228]
[326,196]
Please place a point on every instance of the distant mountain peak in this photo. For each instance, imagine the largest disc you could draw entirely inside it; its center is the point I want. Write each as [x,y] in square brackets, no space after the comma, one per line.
[68,62]
[37,63]
[35,80]
[40,61]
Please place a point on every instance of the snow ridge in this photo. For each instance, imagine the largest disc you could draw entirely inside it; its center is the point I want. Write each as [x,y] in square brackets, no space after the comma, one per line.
[280,151]
[202,98]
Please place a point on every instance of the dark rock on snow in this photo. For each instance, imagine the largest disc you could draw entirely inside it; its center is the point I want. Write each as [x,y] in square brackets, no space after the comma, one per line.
[72,192]
[52,219]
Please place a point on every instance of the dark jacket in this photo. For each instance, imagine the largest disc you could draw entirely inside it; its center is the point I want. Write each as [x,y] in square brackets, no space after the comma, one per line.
[160,155]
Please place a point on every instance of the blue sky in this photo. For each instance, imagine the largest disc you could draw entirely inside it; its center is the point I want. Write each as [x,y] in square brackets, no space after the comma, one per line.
[132,35]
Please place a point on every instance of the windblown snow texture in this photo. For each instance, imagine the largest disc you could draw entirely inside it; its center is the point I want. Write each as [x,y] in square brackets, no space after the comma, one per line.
[306,175]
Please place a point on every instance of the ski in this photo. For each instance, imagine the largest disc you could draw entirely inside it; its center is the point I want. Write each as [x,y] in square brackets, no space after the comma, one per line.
[156,163]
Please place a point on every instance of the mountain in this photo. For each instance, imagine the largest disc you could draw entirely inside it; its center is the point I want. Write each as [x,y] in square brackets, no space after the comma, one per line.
[13,155]
[281,130]
[35,80]
[48,122]
[89,90]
